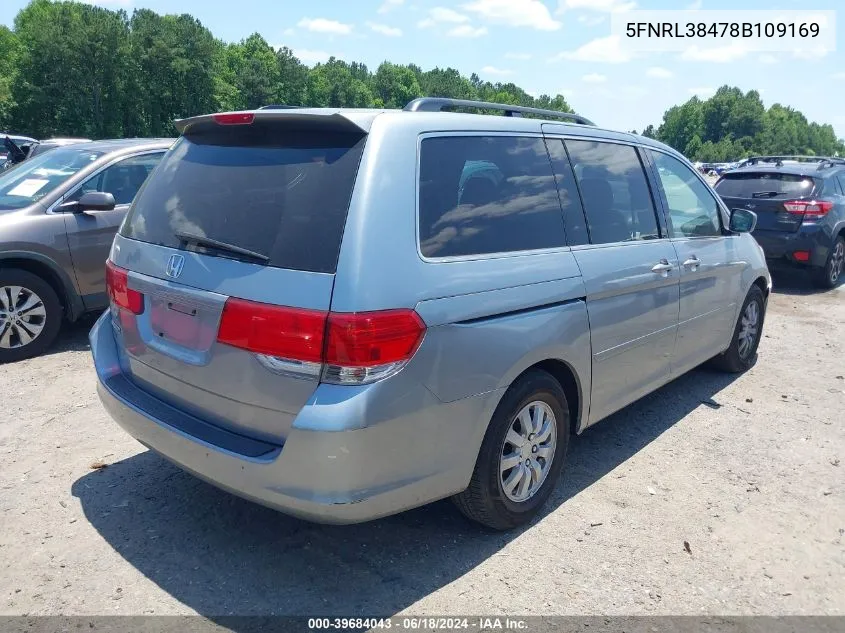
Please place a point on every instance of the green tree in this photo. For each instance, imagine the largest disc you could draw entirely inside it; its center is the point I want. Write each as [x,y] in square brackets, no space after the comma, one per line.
[333,85]
[293,78]
[395,85]
[252,69]
[8,67]
[72,65]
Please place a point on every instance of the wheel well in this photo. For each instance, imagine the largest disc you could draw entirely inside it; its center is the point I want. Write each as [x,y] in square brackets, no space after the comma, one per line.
[568,381]
[45,272]
[761,283]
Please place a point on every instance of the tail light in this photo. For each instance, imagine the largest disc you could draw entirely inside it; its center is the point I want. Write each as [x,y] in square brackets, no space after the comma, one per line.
[120,294]
[345,348]
[808,208]
[234,118]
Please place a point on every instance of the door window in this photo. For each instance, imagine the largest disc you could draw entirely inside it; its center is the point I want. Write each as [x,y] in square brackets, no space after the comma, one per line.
[122,180]
[693,210]
[614,190]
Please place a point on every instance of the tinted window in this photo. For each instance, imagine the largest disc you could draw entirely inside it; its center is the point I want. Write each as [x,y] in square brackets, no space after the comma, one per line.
[265,188]
[765,185]
[573,214]
[617,200]
[122,180]
[693,210]
[33,179]
[841,179]
[487,194]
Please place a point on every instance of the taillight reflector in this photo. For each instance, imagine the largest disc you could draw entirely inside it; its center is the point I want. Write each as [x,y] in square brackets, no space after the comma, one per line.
[290,333]
[368,339]
[120,294]
[801,256]
[234,118]
[808,207]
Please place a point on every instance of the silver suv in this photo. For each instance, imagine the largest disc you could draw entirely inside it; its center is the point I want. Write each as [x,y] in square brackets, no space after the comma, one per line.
[343,314]
[59,212]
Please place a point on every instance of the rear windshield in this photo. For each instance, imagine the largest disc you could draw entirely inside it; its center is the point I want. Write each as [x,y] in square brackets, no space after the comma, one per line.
[265,189]
[765,185]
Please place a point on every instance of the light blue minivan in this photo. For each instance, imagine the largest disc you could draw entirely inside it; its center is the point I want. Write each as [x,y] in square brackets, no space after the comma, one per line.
[343,314]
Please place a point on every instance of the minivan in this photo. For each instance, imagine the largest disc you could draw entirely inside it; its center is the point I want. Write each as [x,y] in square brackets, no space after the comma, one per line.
[343,314]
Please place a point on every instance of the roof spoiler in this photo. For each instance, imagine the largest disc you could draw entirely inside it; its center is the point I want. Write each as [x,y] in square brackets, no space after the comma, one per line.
[301,118]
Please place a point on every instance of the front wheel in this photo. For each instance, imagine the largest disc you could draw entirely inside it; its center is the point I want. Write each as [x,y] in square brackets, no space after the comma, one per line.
[742,353]
[522,454]
[30,315]
[831,274]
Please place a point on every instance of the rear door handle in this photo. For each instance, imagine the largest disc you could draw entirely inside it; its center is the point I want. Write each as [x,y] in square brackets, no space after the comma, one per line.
[692,262]
[664,267]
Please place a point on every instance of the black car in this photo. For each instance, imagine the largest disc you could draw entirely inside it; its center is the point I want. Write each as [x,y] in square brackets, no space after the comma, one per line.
[800,207]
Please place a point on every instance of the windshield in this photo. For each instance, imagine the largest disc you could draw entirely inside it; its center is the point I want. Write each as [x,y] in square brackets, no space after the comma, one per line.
[33,179]
[764,185]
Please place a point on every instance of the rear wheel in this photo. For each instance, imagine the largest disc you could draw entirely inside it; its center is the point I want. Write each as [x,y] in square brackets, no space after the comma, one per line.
[522,454]
[742,353]
[831,274]
[30,315]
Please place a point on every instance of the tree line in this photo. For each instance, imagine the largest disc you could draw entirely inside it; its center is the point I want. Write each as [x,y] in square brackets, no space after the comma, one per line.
[72,69]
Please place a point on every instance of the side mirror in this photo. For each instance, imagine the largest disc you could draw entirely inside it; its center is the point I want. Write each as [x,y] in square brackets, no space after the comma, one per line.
[95,201]
[742,221]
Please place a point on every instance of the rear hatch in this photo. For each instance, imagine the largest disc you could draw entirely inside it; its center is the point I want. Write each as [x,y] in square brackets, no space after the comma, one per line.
[222,273]
[774,196]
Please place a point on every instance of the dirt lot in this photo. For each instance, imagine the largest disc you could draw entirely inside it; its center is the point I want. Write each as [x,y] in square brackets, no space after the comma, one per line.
[749,471]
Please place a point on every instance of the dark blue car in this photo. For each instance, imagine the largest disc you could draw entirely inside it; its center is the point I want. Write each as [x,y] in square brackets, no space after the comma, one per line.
[800,207]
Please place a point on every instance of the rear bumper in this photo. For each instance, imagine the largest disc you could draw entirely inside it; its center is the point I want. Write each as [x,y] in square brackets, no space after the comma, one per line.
[780,246]
[326,476]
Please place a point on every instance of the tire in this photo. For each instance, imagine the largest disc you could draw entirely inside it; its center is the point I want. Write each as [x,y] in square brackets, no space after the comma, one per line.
[40,322]
[742,353]
[831,274]
[486,500]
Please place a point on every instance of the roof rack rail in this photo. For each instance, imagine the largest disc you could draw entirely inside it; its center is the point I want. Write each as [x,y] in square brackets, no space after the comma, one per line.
[278,106]
[438,104]
[779,160]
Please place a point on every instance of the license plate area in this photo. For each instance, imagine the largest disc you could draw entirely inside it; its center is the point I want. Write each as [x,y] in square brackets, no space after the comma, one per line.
[178,321]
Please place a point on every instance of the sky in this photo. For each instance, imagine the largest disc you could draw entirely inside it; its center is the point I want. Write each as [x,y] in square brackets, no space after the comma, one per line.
[543,46]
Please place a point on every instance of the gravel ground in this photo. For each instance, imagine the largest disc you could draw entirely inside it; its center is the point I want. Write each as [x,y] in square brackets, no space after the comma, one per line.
[747,471]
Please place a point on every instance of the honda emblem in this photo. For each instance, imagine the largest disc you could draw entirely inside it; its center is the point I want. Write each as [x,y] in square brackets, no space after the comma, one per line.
[174,266]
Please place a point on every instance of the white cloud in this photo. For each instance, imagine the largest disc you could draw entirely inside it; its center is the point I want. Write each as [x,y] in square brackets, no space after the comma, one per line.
[838,76]
[322,25]
[519,56]
[768,59]
[594,78]
[607,50]
[718,54]
[307,56]
[603,6]
[591,20]
[388,5]
[530,13]
[384,29]
[811,53]
[441,15]
[702,93]
[656,72]
[492,70]
[695,6]
[465,30]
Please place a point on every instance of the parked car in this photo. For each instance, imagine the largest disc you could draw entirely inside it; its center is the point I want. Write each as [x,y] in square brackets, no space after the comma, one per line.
[13,149]
[314,309]
[800,203]
[59,212]
[45,146]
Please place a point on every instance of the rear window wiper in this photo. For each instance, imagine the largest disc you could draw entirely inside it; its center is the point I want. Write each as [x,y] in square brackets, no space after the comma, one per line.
[200,240]
[765,194]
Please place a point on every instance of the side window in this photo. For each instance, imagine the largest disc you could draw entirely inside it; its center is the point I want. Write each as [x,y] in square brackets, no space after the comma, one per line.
[614,190]
[841,178]
[487,194]
[123,179]
[693,210]
[573,213]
